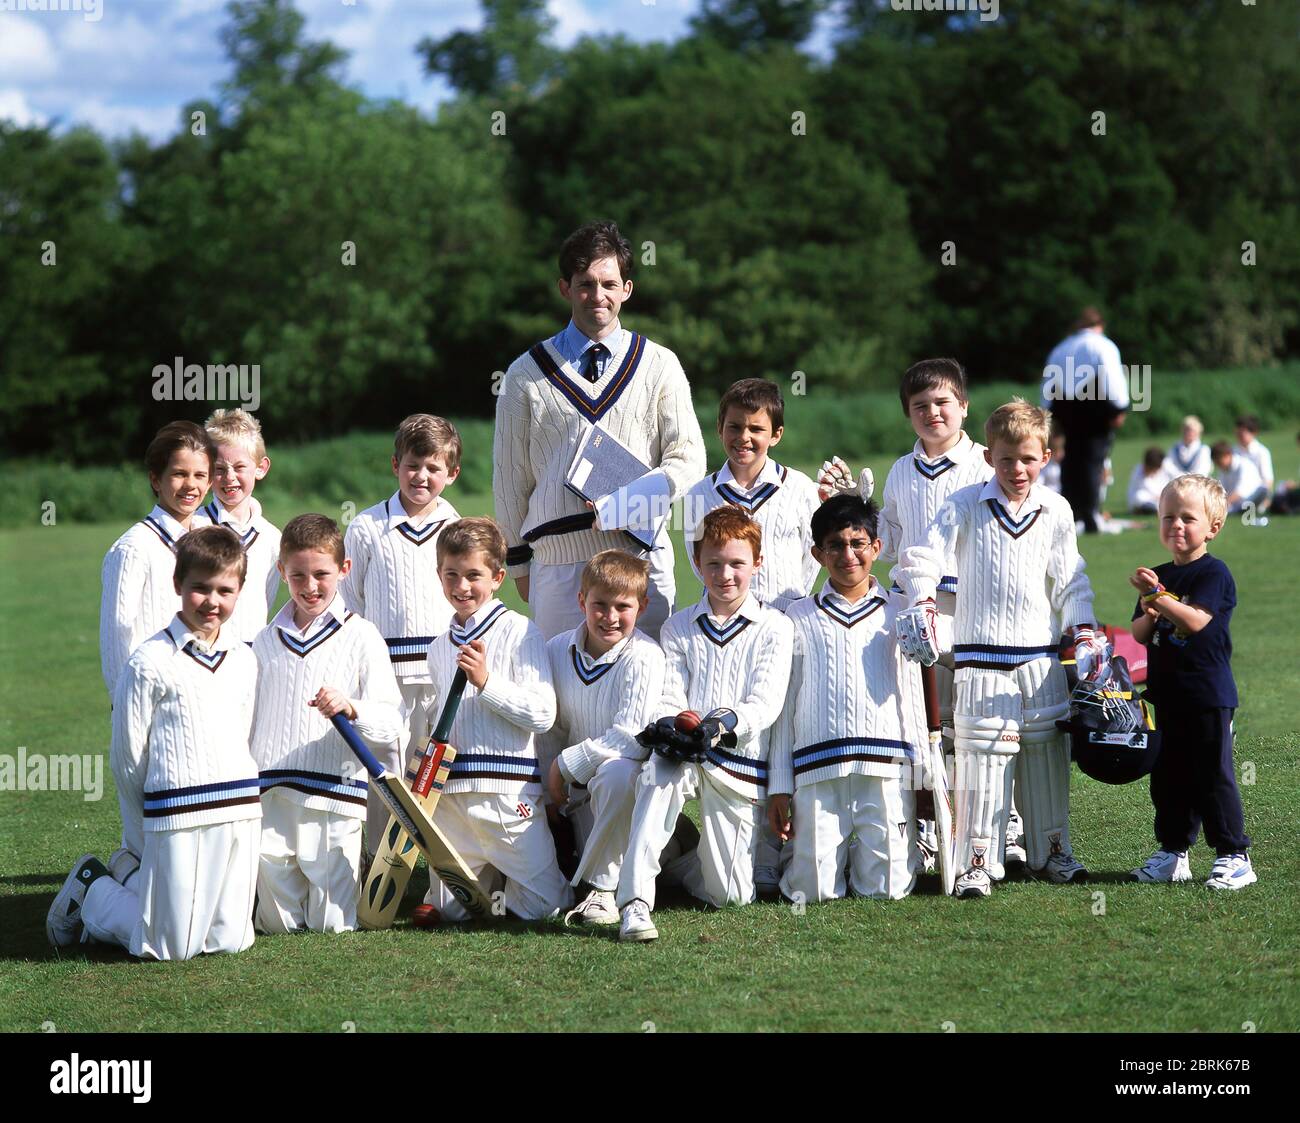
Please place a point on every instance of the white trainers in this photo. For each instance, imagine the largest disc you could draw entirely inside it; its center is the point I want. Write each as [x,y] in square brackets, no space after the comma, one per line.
[975,882]
[1014,856]
[1231,871]
[1062,869]
[63,924]
[596,908]
[637,927]
[1164,865]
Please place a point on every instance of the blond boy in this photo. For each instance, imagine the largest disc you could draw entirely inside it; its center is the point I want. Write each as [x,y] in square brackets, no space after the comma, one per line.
[1018,570]
[240,463]
[608,683]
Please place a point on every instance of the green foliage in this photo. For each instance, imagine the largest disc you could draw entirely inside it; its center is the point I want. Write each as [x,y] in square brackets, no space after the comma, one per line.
[788,211]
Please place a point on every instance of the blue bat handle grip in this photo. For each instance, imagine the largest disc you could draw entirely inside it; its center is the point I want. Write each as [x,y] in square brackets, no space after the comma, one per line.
[349,733]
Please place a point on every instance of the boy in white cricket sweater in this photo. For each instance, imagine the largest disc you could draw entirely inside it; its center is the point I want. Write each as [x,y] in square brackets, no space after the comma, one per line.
[728,658]
[936,402]
[608,684]
[751,422]
[491,808]
[316,659]
[394,583]
[186,781]
[594,372]
[1018,572]
[851,729]
[139,594]
[242,461]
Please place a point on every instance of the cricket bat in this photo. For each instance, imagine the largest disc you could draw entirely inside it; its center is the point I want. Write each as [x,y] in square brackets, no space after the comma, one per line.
[410,813]
[394,862]
[943,820]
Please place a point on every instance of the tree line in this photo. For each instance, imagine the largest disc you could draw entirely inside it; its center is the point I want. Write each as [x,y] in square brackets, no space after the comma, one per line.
[932,183]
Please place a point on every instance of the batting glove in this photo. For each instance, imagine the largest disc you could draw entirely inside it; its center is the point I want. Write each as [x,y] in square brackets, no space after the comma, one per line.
[1091,653]
[836,478]
[917,629]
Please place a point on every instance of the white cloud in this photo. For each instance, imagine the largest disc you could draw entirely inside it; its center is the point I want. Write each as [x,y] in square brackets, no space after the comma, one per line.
[26,51]
[118,120]
[14,107]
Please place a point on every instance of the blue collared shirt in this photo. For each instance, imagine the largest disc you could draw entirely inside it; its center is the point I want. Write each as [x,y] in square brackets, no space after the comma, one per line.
[573,345]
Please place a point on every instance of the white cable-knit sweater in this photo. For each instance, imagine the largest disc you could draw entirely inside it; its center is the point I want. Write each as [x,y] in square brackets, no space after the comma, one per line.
[182,714]
[394,580]
[494,728]
[782,501]
[297,750]
[916,487]
[261,584]
[854,703]
[603,703]
[1013,573]
[742,664]
[139,591]
[545,408]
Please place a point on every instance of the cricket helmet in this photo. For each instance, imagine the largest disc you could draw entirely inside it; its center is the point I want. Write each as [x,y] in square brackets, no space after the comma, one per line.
[1113,735]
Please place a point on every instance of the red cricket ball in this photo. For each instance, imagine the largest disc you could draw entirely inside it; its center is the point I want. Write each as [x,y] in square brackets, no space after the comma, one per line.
[425,916]
[687,721]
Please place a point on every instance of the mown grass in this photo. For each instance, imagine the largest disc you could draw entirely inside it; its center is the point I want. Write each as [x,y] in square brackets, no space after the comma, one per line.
[1106,956]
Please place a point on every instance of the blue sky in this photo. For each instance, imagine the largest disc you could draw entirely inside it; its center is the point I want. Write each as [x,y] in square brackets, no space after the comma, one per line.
[141,60]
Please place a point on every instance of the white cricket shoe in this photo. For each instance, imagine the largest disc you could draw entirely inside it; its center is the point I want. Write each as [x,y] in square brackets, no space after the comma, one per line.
[597,907]
[63,922]
[975,882]
[637,927]
[1165,865]
[1063,869]
[1231,871]
[1014,856]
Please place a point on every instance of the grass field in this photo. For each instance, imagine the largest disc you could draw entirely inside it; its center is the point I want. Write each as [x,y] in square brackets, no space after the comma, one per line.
[1108,956]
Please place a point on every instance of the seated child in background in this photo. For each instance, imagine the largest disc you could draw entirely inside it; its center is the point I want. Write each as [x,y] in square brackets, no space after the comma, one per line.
[1189,454]
[1249,445]
[1146,482]
[1240,478]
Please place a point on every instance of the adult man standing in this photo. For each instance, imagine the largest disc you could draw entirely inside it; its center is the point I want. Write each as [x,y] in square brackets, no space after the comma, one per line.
[594,372]
[1085,387]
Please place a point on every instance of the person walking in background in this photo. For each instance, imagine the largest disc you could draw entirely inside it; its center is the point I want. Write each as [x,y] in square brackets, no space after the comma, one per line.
[1085,387]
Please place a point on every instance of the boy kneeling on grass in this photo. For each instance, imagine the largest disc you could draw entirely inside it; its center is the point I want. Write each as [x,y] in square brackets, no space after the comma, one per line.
[186,781]
[850,728]
[726,658]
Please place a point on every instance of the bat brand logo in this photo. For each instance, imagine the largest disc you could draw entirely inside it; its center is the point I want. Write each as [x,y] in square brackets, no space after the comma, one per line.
[525,812]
